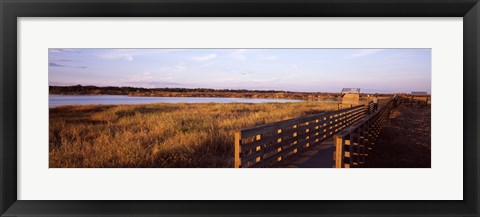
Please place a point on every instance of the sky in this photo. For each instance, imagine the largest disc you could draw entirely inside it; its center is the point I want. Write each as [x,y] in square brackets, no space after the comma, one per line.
[305,70]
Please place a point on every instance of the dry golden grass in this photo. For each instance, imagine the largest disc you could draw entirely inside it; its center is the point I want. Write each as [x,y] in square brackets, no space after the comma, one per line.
[159,135]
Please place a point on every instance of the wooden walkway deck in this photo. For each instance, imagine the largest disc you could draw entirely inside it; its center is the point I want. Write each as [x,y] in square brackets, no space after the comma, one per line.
[320,156]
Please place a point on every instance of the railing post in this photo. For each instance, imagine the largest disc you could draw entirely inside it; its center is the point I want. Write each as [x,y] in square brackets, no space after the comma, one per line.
[238,141]
[358,135]
[364,144]
[350,155]
[367,109]
[338,151]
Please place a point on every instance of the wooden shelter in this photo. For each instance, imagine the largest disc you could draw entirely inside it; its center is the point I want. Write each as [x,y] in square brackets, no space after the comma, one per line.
[350,97]
[420,96]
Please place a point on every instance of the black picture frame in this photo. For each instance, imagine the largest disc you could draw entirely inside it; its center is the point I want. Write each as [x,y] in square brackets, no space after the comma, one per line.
[10,10]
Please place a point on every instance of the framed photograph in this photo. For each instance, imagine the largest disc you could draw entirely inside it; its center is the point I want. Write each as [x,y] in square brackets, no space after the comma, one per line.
[239,108]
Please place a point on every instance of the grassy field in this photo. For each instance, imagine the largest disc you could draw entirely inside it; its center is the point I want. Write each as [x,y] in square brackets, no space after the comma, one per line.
[159,135]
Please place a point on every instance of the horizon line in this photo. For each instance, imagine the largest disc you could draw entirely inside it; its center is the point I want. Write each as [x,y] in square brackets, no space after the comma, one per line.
[152,88]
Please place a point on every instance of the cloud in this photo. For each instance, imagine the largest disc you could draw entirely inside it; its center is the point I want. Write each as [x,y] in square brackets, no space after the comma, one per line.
[241,72]
[363,52]
[269,58]
[247,72]
[239,54]
[52,64]
[130,54]
[295,67]
[266,80]
[204,58]
[55,65]
[146,79]
[176,68]
[117,55]
[205,65]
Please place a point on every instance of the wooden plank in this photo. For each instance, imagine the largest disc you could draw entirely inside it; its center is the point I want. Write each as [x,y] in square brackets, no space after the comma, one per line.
[237,161]
[339,151]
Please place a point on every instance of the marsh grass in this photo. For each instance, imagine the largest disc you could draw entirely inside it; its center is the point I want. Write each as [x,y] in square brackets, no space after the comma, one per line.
[159,135]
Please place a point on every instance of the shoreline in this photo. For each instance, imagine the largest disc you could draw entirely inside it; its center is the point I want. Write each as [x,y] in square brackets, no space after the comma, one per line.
[57,100]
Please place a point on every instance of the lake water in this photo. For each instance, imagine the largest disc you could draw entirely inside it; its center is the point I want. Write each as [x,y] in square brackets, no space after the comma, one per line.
[59,100]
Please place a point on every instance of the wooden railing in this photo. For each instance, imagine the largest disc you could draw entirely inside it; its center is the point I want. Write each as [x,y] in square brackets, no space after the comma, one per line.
[271,144]
[352,144]
[417,99]
[369,108]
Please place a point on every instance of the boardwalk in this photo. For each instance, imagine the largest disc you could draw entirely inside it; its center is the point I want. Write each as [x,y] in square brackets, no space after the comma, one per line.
[320,156]
[404,143]
[343,138]
[273,144]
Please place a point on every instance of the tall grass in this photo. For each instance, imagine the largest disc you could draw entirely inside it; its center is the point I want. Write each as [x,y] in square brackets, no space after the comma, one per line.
[159,135]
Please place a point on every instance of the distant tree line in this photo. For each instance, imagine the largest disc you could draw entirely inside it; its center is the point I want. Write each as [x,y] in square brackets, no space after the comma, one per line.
[90,89]
[188,92]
